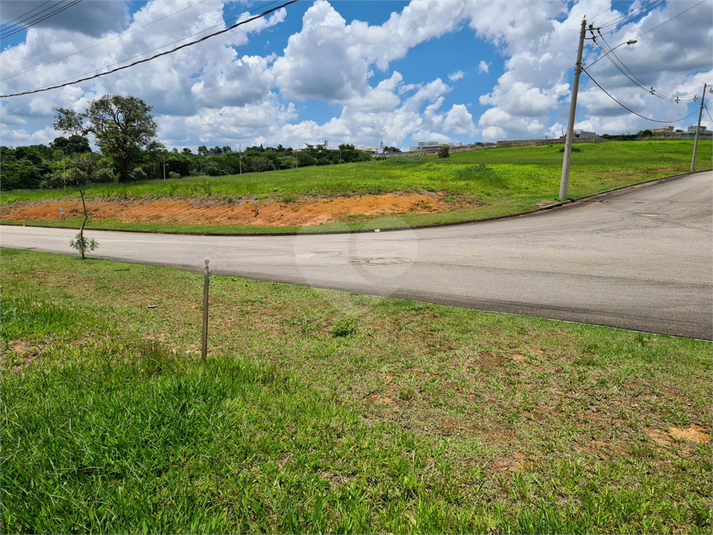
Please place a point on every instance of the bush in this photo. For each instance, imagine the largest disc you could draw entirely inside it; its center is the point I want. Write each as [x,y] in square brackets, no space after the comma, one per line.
[444,152]
[105,174]
[173,174]
[138,174]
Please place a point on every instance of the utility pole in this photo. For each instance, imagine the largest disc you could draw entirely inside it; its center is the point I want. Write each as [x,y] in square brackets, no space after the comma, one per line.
[698,129]
[564,182]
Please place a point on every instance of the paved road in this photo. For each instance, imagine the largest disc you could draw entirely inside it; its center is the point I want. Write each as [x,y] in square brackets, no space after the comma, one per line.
[640,258]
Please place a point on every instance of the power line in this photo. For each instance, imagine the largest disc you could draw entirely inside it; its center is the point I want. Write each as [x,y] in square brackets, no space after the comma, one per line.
[10,22]
[609,53]
[669,20]
[107,41]
[261,15]
[629,109]
[708,112]
[628,73]
[632,16]
[31,23]
[140,54]
[610,8]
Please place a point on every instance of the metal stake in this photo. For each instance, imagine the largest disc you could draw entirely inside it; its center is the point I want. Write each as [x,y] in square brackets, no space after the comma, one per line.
[206,282]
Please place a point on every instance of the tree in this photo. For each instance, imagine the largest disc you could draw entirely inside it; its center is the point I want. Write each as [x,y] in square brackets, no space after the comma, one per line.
[444,152]
[83,169]
[122,127]
[389,150]
[74,145]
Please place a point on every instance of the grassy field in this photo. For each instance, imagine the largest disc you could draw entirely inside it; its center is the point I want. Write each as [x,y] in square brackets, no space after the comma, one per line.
[485,183]
[333,412]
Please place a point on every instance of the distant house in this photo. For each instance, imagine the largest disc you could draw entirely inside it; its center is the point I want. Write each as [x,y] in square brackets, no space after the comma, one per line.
[702,130]
[581,134]
[433,145]
[666,131]
[373,151]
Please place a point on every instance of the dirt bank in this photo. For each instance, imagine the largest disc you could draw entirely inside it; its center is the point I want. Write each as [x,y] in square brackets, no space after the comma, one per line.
[265,213]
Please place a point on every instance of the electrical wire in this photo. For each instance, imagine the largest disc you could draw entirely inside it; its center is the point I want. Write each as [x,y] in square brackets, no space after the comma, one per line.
[37,21]
[609,53]
[610,8]
[108,41]
[629,109]
[93,71]
[708,112]
[669,20]
[261,15]
[25,14]
[636,14]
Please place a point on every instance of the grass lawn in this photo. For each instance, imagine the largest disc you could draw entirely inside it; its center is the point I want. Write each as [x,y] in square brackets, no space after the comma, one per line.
[393,417]
[485,183]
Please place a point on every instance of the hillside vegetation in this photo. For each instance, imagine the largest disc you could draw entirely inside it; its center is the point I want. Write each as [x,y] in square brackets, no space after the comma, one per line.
[477,184]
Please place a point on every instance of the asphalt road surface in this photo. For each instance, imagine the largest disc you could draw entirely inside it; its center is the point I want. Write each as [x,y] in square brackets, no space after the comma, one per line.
[639,258]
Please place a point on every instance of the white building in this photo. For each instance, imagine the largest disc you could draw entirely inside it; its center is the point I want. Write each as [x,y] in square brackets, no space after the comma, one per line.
[702,130]
[581,134]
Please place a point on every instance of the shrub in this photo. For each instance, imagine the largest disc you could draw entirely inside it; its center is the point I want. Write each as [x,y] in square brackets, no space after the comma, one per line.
[444,152]
[138,174]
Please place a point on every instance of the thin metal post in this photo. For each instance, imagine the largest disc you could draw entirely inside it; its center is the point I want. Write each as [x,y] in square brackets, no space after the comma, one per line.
[206,282]
[698,129]
[564,182]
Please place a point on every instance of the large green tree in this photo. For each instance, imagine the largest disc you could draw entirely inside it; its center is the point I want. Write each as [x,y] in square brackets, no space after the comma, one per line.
[123,128]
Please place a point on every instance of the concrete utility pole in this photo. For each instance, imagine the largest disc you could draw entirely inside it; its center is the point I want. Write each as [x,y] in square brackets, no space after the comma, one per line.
[698,129]
[564,182]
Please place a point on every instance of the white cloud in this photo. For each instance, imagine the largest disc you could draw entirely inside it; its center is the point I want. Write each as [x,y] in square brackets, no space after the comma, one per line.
[216,91]
[539,42]
[94,18]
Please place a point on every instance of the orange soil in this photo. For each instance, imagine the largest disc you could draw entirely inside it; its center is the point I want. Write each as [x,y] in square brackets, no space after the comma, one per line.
[265,213]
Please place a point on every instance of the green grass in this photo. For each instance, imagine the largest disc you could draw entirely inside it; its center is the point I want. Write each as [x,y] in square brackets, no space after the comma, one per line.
[332,412]
[493,182]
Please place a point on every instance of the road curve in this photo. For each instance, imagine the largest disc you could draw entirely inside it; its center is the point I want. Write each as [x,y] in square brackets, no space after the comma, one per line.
[639,258]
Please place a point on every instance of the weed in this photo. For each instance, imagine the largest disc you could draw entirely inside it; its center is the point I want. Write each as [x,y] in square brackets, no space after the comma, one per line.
[342,328]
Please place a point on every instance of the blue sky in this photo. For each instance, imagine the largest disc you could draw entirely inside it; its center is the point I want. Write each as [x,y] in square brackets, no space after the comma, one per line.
[358,71]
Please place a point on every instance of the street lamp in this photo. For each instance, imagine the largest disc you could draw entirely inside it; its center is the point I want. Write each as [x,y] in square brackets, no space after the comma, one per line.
[629,42]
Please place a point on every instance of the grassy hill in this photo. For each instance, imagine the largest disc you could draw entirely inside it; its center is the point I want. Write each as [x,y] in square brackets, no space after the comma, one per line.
[478,184]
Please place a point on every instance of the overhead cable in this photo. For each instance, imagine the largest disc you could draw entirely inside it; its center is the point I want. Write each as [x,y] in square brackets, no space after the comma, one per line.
[25,26]
[629,109]
[669,20]
[25,14]
[140,54]
[261,15]
[106,41]
[636,14]
[609,53]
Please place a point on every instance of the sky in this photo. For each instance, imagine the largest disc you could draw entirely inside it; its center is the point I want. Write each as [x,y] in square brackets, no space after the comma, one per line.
[363,72]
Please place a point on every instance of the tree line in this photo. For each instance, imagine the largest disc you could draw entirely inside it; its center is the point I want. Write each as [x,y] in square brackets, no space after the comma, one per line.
[124,131]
